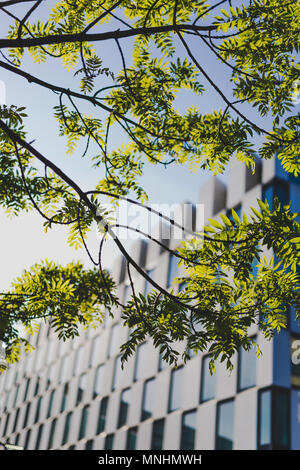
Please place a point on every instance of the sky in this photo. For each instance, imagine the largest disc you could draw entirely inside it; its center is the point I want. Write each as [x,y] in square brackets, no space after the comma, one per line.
[22,239]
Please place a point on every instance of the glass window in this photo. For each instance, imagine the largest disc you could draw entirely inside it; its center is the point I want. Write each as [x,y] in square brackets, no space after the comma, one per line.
[38,410]
[295,419]
[118,374]
[89,444]
[26,443]
[109,442]
[131,438]
[246,368]
[37,386]
[265,419]
[27,411]
[6,424]
[148,399]
[281,419]
[102,415]
[26,389]
[176,389]
[67,427]
[148,286]
[162,364]
[188,430]
[81,388]
[64,398]
[172,269]
[83,422]
[95,351]
[208,381]
[52,433]
[277,188]
[225,423]
[141,361]
[124,407]
[113,348]
[50,404]
[39,436]
[157,434]
[16,419]
[273,419]
[99,381]
[295,359]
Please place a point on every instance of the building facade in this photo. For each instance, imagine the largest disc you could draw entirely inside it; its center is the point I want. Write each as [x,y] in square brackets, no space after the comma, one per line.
[74,395]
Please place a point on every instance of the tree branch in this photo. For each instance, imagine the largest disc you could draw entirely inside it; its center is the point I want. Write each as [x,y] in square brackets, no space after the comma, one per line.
[117,34]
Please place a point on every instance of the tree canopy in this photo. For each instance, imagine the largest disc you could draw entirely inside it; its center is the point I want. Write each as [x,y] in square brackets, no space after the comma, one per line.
[162,47]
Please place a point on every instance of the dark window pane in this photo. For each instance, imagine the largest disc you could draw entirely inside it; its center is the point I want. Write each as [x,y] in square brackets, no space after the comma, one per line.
[124,407]
[50,405]
[274,419]
[37,386]
[81,388]
[83,422]
[131,438]
[208,381]
[67,428]
[27,411]
[148,399]
[26,389]
[281,419]
[64,398]
[278,189]
[162,365]
[39,436]
[225,416]
[157,434]
[172,269]
[247,368]
[89,445]
[52,432]
[109,442]
[102,415]
[176,389]
[268,195]
[7,421]
[38,410]
[188,431]
[16,420]
[26,444]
